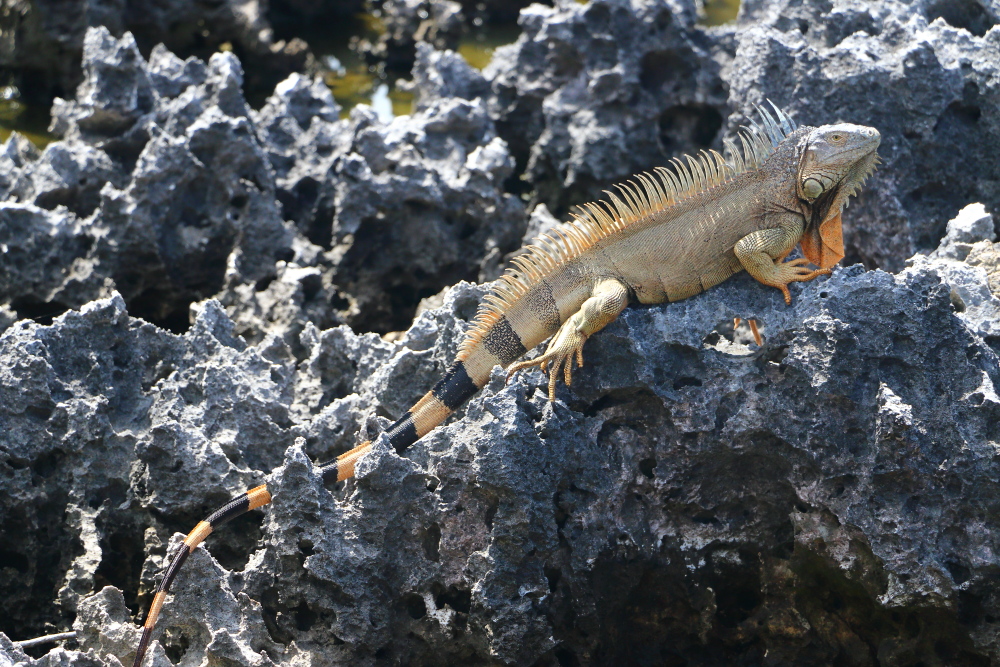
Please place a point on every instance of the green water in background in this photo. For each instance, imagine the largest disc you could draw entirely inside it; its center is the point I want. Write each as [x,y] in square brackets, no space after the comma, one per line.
[32,122]
[351,80]
[719,12]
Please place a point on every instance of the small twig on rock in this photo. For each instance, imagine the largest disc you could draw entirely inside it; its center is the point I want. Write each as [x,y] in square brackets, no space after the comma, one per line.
[58,637]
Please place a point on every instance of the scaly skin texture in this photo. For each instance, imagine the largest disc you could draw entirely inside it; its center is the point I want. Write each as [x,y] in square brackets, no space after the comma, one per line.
[663,237]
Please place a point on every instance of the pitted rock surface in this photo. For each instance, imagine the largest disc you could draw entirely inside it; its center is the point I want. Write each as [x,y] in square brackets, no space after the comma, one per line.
[179,273]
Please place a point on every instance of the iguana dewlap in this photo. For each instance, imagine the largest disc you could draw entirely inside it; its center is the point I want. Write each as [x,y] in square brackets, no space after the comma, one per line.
[662,237]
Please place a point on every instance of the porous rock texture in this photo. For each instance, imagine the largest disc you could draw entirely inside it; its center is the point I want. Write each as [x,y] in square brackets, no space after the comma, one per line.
[592,93]
[42,41]
[828,498]
[167,187]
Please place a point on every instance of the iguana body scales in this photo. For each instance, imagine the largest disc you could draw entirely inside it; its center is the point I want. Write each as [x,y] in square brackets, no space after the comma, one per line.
[662,237]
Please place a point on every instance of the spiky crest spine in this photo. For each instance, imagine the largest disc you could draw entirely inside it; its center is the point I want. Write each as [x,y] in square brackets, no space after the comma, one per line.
[647,195]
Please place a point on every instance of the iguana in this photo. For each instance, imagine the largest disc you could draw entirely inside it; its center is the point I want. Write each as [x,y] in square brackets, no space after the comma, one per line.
[664,236]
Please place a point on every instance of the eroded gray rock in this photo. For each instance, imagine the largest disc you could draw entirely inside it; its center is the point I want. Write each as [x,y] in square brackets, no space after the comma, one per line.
[42,41]
[160,189]
[169,189]
[826,497]
[591,94]
[401,209]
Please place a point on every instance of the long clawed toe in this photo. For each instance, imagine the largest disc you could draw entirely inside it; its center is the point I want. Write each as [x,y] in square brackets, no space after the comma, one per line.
[795,271]
[551,363]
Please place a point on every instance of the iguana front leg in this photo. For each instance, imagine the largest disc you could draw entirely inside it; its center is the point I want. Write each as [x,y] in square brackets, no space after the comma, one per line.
[761,253]
[608,299]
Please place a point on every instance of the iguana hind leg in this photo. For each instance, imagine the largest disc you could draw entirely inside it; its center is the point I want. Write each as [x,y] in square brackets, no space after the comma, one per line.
[608,299]
[759,253]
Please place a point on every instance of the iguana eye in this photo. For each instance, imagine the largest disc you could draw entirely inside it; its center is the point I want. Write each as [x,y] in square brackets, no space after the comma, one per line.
[836,138]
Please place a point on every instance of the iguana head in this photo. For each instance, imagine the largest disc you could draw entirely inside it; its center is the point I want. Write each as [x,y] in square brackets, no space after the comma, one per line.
[835,161]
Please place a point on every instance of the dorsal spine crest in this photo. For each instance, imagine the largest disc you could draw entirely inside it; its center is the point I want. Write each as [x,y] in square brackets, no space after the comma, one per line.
[648,194]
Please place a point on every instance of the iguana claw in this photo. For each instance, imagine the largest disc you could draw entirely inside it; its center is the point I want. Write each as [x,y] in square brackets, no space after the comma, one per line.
[793,272]
[566,346]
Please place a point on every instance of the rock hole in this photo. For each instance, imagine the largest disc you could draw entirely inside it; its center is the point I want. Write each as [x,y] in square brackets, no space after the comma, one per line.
[306,547]
[122,556]
[648,467]
[561,516]
[277,633]
[459,599]
[966,14]
[682,382]
[959,572]
[13,560]
[726,339]
[552,575]
[431,540]
[775,354]
[305,617]
[175,644]
[684,128]
[414,605]
[237,547]
[311,286]
[705,519]
[42,413]
[661,70]
[737,595]
[566,657]
[264,283]
[491,512]
[957,302]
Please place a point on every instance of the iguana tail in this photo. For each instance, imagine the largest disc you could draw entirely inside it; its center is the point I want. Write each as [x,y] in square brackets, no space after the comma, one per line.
[499,345]
[506,339]
[252,499]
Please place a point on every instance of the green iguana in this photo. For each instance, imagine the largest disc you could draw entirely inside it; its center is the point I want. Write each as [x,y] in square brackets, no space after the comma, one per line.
[663,237]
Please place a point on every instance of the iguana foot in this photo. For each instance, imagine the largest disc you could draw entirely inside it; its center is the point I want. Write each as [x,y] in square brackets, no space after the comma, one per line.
[565,346]
[794,271]
[608,299]
[757,252]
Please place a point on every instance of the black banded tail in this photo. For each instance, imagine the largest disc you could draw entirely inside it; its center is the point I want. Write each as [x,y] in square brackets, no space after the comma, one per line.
[454,389]
[252,499]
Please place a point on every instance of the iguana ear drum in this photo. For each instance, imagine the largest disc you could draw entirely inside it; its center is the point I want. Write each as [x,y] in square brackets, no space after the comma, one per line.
[812,188]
